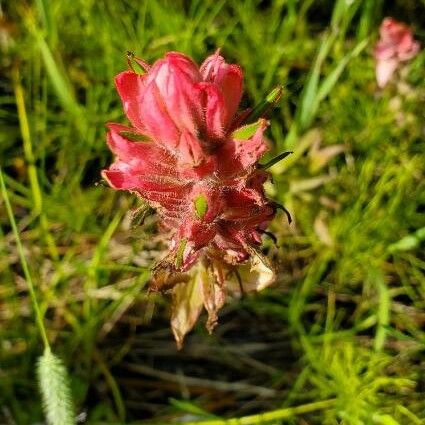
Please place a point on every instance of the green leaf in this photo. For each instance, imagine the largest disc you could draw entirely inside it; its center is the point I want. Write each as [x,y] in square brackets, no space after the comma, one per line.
[261,109]
[189,407]
[406,244]
[247,131]
[134,137]
[274,160]
[180,252]
[329,82]
[201,206]
[384,420]
[139,215]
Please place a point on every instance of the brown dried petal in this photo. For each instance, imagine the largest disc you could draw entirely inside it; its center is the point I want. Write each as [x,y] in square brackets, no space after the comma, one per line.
[256,275]
[187,303]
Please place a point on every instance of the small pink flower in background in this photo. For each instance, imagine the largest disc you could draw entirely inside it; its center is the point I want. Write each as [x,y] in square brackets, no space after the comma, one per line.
[396,45]
[186,154]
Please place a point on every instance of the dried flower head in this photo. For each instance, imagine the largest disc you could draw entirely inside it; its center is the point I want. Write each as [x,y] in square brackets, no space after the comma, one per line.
[188,155]
[396,45]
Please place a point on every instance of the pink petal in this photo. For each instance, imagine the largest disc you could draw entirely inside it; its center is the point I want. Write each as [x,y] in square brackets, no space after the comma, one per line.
[408,49]
[198,233]
[130,87]
[190,149]
[210,66]
[238,155]
[141,157]
[396,37]
[175,77]
[156,118]
[384,51]
[215,110]
[385,70]
[228,78]
[185,64]
[120,179]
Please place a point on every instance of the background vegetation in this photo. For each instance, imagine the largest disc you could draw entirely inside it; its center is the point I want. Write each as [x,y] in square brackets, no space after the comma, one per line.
[338,340]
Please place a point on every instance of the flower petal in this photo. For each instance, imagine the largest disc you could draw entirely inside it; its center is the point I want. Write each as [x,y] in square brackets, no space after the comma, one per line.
[238,155]
[215,111]
[256,275]
[187,304]
[156,118]
[175,77]
[214,297]
[190,149]
[385,70]
[228,78]
[130,87]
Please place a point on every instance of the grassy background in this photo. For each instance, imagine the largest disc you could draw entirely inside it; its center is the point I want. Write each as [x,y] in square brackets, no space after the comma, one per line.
[342,331]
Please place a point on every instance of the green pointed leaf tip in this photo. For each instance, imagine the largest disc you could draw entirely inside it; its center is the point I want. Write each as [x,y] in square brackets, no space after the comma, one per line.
[274,160]
[180,252]
[247,131]
[134,137]
[134,64]
[265,105]
[201,206]
[274,95]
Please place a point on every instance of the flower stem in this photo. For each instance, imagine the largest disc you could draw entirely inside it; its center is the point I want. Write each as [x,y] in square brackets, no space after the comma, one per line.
[273,415]
[38,315]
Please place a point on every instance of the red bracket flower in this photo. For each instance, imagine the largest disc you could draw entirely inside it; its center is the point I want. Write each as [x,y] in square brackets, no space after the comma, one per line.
[189,157]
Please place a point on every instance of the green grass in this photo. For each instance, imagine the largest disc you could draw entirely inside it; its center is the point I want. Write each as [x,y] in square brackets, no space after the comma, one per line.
[338,340]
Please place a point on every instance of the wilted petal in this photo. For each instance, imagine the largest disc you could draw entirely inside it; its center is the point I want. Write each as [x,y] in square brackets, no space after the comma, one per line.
[165,276]
[214,298]
[256,275]
[187,304]
[234,253]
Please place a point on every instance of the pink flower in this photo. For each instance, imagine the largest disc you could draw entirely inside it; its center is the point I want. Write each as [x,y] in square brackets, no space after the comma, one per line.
[396,45]
[184,156]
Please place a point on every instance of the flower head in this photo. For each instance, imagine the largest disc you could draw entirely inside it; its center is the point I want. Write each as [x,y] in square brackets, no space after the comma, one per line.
[188,156]
[396,45]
